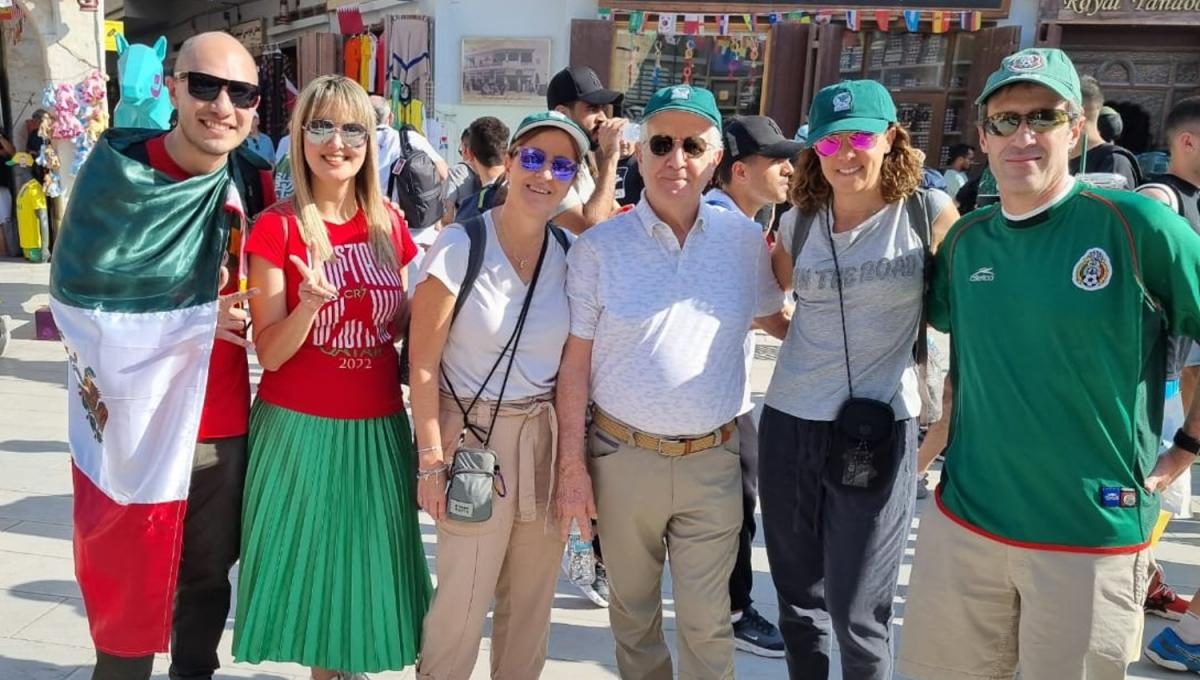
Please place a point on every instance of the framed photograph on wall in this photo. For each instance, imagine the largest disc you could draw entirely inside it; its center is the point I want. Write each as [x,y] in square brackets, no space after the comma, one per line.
[505,70]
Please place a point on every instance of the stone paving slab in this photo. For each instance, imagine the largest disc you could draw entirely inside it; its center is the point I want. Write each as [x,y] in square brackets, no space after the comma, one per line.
[43,631]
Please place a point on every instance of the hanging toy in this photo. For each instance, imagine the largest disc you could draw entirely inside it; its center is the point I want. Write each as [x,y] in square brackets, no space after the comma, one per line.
[657,64]
[689,52]
[145,101]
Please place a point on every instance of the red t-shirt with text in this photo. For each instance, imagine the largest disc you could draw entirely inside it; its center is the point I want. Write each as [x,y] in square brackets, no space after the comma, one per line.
[348,366]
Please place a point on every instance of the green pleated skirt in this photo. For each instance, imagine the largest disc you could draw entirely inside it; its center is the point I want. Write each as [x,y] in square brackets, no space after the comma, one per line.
[333,570]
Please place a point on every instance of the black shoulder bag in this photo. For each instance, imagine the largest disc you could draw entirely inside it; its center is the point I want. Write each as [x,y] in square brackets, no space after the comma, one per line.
[861,455]
[475,471]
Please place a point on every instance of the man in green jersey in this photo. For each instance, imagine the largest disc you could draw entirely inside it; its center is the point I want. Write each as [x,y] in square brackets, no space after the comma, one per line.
[1058,302]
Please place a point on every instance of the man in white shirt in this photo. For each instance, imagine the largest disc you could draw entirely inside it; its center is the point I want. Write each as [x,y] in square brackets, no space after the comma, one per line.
[961,158]
[657,345]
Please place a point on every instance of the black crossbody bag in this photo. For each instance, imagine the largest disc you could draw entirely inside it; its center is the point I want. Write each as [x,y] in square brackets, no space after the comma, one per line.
[862,453]
[475,471]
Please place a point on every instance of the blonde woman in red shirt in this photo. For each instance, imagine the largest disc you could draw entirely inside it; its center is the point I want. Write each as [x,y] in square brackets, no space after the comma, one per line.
[333,572]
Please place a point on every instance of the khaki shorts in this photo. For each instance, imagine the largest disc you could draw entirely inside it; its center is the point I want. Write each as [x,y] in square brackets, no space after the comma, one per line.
[978,608]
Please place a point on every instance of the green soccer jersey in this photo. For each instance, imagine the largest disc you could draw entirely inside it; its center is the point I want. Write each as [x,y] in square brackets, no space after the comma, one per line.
[1058,325]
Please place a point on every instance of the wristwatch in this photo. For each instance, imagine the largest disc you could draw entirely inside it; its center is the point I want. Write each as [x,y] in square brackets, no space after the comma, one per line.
[1187,442]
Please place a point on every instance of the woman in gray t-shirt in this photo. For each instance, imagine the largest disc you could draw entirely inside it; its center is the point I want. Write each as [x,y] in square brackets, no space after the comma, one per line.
[836,518]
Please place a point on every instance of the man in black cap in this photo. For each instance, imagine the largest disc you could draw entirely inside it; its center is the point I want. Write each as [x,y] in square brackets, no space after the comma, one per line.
[576,92]
[751,178]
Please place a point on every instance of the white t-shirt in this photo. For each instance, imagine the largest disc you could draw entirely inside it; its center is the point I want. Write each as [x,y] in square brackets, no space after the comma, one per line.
[490,313]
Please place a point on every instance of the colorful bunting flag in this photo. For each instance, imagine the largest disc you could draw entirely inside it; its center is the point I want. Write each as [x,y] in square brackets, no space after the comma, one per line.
[773,18]
[824,17]
[971,21]
[666,24]
[852,19]
[604,13]
[691,24]
[883,18]
[941,22]
[796,16]
[749,19]
[637,19]
[723,24]
[912,19]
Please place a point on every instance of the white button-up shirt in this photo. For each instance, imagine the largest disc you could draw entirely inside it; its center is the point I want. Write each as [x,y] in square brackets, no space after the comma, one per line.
[668,323]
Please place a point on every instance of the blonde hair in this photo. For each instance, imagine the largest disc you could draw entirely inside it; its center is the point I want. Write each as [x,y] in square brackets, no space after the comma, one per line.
[899,177]
[322,95]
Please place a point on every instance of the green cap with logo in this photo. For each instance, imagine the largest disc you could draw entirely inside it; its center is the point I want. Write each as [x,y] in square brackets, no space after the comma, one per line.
[554,119]
[1044,66]
[687,98]
[851,106]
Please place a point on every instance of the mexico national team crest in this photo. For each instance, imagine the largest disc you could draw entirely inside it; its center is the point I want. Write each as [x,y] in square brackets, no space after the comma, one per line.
[1093,271]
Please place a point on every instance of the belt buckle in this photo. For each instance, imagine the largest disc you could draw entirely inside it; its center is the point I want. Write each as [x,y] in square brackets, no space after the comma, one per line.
[669,440]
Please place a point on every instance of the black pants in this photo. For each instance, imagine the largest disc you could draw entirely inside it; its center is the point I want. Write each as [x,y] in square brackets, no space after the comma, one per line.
[835,553]
[212,535]
[741,581]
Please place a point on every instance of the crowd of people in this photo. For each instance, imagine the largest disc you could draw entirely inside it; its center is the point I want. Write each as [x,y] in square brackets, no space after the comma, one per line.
[577,312]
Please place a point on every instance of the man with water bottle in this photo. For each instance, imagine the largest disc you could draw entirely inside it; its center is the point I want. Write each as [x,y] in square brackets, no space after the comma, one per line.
[656,346]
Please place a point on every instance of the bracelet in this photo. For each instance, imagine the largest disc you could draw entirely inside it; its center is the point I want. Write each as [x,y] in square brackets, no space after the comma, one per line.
[434,471]
[435,447]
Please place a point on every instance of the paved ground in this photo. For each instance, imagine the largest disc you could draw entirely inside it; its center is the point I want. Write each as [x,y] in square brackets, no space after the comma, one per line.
[43,633]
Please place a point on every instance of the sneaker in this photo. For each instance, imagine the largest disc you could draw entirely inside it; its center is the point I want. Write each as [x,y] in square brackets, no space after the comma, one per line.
[752,633]
[1162,600]
[923,486]
[1168,651]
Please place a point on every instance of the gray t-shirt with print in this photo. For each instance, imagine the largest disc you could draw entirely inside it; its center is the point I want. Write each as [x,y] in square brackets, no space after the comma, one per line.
[882,269]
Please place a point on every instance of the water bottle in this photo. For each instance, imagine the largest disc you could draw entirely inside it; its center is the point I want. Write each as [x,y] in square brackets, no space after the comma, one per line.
[631,133]
[581,563]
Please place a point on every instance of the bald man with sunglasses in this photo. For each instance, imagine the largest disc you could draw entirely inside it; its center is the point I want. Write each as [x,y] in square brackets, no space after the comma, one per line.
[657,347]
[215,91]
[1058,302]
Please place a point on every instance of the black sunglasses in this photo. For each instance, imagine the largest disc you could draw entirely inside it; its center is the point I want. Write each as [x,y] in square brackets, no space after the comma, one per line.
[1005,123]
[693,147]
[207,88]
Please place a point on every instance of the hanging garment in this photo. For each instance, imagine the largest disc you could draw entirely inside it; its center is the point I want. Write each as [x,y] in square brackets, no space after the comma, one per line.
[364,61]
[381,62]
[350,56]
[372,63]
[408,44]
[406,109]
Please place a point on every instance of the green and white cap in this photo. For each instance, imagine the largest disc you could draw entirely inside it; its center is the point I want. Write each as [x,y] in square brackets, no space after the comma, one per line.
[554,119]
[687,98]
[1043,66]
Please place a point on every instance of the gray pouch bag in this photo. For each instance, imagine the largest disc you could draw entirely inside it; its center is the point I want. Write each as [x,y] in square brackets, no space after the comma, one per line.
[472,479]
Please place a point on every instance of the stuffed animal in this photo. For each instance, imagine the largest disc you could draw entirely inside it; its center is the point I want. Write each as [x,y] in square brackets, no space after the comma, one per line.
[145,101]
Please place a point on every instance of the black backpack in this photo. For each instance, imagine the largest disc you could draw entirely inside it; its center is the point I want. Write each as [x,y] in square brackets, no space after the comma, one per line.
[477,231]
[1186,195]
[479,202]
[414,184]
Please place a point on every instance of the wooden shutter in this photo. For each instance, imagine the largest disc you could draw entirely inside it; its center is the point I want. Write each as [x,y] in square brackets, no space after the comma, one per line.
[991,46]
[318,55]
[783,87]
[592,43]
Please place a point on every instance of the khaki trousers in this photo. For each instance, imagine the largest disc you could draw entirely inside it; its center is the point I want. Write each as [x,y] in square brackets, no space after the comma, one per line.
[979,609]
[689,507]
[513,557]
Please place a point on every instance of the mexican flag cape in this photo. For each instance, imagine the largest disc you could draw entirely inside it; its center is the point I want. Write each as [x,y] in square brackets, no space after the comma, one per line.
[133,290]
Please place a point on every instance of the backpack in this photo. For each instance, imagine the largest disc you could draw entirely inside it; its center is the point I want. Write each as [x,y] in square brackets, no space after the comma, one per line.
[479,202]
[477,231]
[1185,200]
[414,184]
[917,207]
[1101,156]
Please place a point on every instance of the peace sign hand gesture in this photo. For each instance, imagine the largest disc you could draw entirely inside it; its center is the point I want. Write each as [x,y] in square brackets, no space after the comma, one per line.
[232,315]
[315,290]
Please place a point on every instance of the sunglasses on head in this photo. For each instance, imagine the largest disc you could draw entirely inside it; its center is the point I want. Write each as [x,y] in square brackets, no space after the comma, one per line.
[1006,123]
[320,131]
[533,159]
[830,144]
[693,147]
[207,88]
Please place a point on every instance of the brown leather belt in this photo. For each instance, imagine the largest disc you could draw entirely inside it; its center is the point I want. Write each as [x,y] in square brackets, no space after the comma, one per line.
[666,446]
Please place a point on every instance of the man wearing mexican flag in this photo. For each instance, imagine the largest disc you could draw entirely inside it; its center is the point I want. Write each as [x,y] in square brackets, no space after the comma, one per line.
[146,295]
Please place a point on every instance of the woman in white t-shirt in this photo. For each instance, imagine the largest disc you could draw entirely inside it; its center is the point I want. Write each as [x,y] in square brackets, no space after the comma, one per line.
[836,505]
[469,384]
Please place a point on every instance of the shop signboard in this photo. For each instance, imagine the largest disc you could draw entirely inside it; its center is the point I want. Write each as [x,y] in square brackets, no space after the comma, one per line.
[111,28]
[1092,8]
[991,7]
[250,34]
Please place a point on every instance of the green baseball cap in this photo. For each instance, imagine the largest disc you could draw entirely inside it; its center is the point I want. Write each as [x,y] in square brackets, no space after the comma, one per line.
[554,119]
[850,106]
[688,98]
[1044,66]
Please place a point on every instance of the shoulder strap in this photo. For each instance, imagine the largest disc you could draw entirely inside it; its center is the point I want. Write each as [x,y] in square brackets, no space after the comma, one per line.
[560,235]
[804,222]
[1176,198]
[918,207]
[476,230]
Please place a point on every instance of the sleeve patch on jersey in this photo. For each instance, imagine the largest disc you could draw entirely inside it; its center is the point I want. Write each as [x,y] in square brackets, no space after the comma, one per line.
[1093,271]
